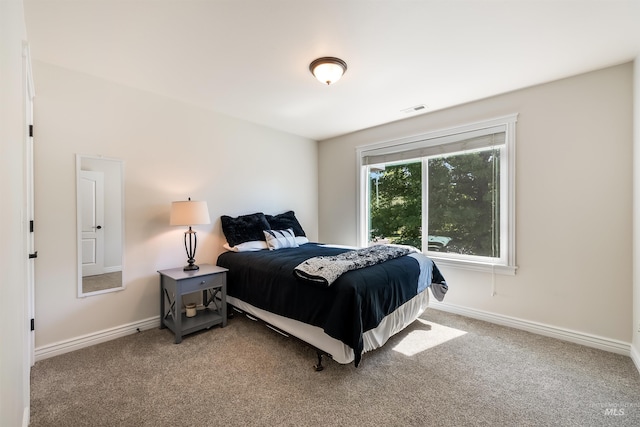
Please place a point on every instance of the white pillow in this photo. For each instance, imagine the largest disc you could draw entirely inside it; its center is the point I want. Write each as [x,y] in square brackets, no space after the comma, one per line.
[255,245]
[280,239]
[301,240]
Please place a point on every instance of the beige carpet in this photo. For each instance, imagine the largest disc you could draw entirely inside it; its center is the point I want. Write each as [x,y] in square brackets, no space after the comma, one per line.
[100,282]
[444,370]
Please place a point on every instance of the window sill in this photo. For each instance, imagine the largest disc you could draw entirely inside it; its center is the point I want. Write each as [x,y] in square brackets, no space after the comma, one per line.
[508,270]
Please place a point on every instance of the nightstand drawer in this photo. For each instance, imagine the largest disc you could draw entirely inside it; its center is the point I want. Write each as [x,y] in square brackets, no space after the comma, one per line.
[195,284]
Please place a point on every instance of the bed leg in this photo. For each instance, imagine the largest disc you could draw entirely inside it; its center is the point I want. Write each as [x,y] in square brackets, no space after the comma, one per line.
[318,367]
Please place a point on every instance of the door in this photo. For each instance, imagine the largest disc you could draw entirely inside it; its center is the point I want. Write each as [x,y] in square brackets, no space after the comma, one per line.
[29,201]
[91,185]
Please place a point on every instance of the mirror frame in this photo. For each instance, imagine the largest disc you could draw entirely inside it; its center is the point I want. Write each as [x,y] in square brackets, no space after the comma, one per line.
[79,159]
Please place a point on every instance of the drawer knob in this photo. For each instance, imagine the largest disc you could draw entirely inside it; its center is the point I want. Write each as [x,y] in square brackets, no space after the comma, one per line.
[203,282]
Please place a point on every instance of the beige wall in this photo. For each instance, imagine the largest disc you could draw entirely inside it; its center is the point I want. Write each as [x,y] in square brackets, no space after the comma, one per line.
[171,151]
[14,361]
[573,202]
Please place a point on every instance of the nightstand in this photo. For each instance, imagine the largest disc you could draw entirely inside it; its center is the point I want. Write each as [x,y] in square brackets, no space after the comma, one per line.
[211,280]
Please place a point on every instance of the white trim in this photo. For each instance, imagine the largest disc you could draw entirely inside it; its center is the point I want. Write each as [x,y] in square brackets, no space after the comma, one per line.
[509,270]
[25,416]
[26,54]
[88,340]
[511,189]
[29,241]
[29,94]
[507,263]
[362,213]
[114,269]
[588,340]
[635,356]
[80,293]
[498,121]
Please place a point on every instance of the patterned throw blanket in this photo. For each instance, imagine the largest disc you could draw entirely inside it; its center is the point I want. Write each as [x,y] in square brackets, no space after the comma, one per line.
[324,270]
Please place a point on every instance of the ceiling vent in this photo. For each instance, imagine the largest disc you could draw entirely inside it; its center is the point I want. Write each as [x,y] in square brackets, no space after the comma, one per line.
[415,109]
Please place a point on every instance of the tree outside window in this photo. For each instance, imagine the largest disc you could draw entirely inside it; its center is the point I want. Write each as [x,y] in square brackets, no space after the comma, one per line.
[461,195]
[449,192]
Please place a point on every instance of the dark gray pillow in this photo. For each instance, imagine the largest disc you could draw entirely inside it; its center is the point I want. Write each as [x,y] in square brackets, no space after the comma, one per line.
[245,228]
[284,221]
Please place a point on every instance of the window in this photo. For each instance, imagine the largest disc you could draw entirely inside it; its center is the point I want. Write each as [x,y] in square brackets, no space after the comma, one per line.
[449,193]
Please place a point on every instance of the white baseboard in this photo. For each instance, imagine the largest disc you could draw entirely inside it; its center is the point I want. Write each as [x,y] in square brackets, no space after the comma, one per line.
[588,340]
[613,346]
[25,416]
[635,356]
[88,340]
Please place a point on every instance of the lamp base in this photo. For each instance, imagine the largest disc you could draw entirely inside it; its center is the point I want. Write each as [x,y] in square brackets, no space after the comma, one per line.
[191,250]
[191,267]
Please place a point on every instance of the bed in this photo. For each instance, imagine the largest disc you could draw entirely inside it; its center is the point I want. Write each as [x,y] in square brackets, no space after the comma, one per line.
[277,276]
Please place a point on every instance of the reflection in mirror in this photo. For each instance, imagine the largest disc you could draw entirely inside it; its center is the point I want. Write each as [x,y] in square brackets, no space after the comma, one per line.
[100,224]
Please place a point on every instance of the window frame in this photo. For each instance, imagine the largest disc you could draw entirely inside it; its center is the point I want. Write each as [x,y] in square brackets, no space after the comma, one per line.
[506,264]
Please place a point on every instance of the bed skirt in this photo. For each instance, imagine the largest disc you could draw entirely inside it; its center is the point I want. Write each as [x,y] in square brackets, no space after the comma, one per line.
[340,352]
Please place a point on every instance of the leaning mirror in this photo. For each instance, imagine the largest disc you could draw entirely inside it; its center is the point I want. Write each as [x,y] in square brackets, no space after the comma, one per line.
[100,224]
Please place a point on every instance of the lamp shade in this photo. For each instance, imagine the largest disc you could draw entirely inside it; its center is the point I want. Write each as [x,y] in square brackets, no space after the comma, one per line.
[189,213]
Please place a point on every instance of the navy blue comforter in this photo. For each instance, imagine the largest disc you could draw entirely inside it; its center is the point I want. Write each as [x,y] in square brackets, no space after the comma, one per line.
[356,302]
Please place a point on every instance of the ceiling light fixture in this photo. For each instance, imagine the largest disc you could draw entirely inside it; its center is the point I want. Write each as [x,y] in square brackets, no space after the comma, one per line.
[328,69]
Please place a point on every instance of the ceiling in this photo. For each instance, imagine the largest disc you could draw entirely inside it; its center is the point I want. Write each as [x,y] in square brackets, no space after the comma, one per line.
[249,58]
